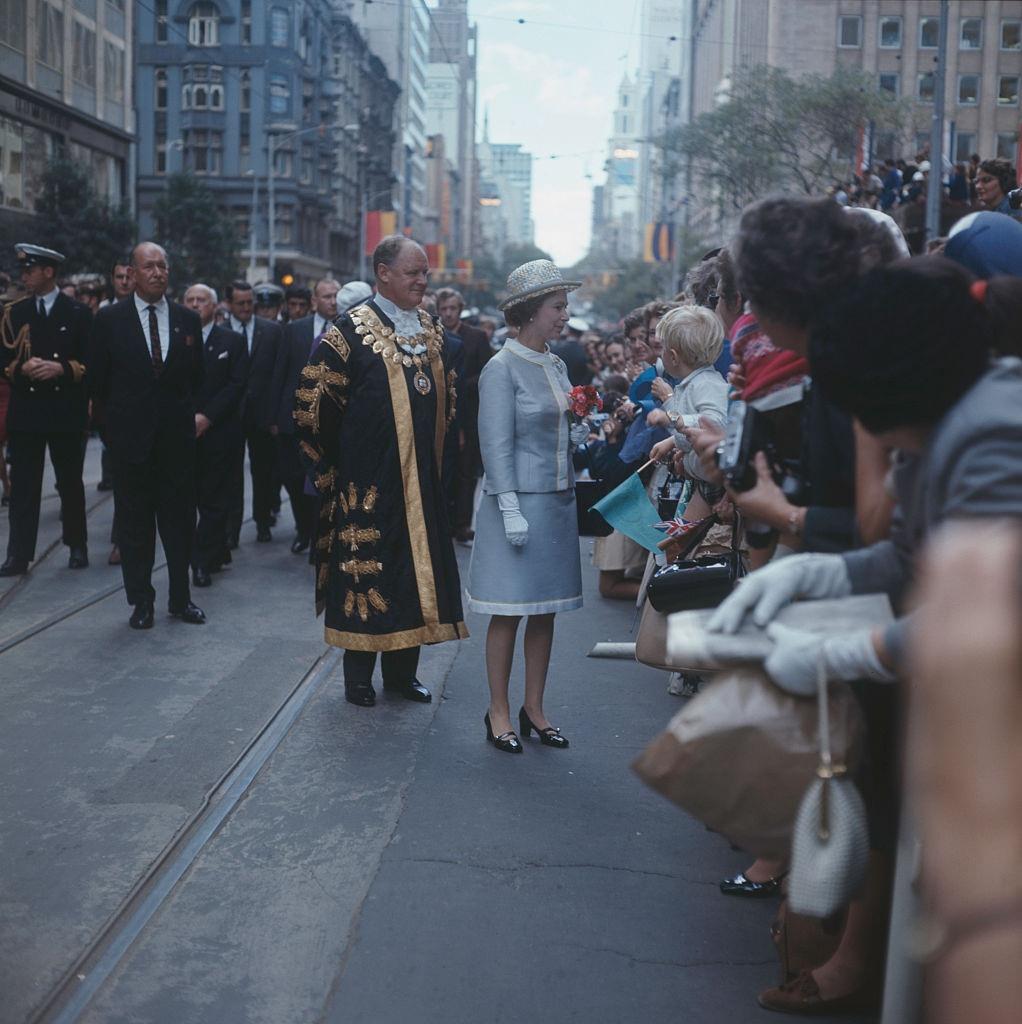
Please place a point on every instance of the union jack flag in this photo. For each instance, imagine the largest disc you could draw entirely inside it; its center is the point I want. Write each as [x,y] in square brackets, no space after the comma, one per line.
[677,527]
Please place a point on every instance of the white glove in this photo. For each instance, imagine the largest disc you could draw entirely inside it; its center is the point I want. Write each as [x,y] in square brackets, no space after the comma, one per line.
[794,661]
[766,591]
[578,433]
[516,528]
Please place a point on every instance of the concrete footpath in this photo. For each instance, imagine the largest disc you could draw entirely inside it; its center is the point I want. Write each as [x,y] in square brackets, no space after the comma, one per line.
[386,864]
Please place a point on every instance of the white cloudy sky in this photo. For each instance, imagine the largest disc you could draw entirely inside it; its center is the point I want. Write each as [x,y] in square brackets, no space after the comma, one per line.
[551,84]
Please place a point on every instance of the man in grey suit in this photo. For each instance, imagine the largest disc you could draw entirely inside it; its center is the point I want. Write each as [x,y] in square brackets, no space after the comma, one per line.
[263,339]
[299,340]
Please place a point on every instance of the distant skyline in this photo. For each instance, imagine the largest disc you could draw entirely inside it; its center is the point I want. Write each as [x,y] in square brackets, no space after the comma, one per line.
[551,84]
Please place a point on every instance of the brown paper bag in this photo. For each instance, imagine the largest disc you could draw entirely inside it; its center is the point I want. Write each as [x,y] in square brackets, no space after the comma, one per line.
[740,755]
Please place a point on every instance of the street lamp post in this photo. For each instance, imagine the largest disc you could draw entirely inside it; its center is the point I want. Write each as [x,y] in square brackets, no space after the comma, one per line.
[252,226]
[273,143]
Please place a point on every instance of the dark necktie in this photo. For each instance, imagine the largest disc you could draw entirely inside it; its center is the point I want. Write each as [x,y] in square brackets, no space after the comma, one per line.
[154,339]
[42,308]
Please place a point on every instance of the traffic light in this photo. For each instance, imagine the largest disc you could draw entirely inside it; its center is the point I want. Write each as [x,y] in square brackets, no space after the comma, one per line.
[285,275]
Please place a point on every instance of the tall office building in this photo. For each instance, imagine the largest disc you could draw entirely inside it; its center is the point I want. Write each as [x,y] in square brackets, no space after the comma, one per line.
[620,231]
[65,86]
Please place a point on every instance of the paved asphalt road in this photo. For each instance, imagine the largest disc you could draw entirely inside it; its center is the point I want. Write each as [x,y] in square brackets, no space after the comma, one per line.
[384,864]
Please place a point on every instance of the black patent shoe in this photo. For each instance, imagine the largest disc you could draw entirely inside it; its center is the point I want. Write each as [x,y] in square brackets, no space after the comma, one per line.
[190,613]
[506,741]
[549,737]
[299,544]
[739,885]
[263,535]
[12,567]
[361,694]
[78,559]
[410,691]
[142,616]
[201,577]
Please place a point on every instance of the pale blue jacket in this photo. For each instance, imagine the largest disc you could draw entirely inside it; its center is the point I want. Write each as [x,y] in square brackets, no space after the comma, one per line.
[523,422]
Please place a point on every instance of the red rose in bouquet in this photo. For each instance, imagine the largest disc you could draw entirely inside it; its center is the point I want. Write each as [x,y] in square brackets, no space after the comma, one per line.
[583,401]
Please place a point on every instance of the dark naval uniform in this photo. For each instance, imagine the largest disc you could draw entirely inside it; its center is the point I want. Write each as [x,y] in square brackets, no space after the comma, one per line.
[371,422]
[45,414]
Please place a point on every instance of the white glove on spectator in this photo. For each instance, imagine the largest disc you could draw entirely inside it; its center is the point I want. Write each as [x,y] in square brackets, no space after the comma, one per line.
[578,433]
[766,591]
[794,661]
[516,528]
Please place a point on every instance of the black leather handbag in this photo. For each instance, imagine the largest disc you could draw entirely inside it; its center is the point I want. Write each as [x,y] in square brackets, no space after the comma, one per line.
[590,522]
[702,582]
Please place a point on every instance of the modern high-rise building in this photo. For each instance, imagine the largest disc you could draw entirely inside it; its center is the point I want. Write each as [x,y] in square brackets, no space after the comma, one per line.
[620,225]
[65,86]
[510,167]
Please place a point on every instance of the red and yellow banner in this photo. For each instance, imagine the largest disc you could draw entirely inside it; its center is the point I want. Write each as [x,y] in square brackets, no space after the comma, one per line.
[379,224]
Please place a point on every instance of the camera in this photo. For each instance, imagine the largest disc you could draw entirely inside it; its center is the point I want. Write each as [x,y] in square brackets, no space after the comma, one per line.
[749,432]
[1015,198]
[598,419]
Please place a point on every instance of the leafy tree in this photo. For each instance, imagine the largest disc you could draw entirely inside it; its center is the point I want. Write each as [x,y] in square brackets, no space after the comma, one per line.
[490,274]
[201,241]
[75,220]
[778,133]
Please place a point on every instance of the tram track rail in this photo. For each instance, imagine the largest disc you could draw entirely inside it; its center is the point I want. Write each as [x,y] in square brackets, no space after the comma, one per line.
[72,995]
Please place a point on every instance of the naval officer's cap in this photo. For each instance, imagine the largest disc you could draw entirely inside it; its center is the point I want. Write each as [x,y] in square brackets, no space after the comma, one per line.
[37,256]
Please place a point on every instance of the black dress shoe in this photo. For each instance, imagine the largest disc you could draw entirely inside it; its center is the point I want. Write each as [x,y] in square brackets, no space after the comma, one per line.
[142,616]
[232,544]
[189,613]
[739,885]
[201,577]
[273,517]
[299,544]
[361,694]
[263,535]
[12,567]
[549,737]
[226,558]
[410,691]
[506,741]
[79,559]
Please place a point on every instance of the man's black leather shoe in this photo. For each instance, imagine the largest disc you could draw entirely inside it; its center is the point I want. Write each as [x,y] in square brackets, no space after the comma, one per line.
[12,567]
[299,544]
[201,577]
[79,559]
[263,535]
[361,694]
[410,691]
[142,616]
[739,885]
[189,613]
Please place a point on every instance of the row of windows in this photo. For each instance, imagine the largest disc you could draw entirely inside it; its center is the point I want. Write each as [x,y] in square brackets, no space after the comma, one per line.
[203,89]
[968,88]
[889,34]
[204,26]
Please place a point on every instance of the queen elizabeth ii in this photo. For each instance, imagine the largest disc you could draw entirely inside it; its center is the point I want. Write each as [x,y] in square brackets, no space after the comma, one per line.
[525,561]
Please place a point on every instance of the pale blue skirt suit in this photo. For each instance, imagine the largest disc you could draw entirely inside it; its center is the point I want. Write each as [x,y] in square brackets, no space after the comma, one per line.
[523,438]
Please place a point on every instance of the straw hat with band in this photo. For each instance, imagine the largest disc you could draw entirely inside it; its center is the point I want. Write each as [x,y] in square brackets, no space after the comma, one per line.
[535,278]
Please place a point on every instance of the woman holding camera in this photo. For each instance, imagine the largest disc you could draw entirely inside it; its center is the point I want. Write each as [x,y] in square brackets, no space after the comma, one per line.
[525,561]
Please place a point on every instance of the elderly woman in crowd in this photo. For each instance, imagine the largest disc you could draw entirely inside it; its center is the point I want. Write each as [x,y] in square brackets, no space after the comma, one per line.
[525,561]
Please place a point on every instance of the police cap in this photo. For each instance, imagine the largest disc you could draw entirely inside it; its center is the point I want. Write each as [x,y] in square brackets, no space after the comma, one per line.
[266,294]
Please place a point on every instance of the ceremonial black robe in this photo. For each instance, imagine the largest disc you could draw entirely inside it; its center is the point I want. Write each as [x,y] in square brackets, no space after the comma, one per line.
[371,422]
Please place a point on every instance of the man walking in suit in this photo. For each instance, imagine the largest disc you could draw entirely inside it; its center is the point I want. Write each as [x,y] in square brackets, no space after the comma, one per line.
[218,433]
[477,353]
[43,345]
[146,367]
[263,339]
[299,338]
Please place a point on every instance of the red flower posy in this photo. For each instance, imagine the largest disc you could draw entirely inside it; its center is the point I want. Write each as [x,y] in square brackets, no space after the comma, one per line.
[584,400]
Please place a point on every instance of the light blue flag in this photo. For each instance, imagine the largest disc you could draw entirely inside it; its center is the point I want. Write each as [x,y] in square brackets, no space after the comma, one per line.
[627,508]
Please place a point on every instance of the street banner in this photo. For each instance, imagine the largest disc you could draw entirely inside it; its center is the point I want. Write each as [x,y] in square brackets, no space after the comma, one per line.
[437,256]
[628,509]
[379,224]
[659,243]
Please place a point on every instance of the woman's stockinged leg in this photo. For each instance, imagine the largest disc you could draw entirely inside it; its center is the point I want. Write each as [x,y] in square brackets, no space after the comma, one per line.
[500,652]
[539,639]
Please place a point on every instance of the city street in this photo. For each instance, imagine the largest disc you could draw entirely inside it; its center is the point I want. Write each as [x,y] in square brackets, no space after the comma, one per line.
[200,829]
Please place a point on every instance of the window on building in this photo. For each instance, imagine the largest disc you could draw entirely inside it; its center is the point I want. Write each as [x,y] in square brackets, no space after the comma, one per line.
[280,94]
[929,33]
[306,171]
[245,89]
[113,71]
[83,56]
[971,35]
[922,142]
[160,161]
[1007,91]
[890,33]
[49,35]
[890,82]
[203,150]
[160,88]
[1011,35]
[12,173]
[279,27]
[849,31]
[160,12]
[305,39]
[283,163]
[965,146]
[203,87]
[1007,142]
[924,87]
[968,90]
[285,225]
[203,25]
[12,23]
[246,22]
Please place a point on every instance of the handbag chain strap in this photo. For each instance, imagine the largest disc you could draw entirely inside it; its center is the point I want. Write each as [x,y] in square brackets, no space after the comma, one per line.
[827,769]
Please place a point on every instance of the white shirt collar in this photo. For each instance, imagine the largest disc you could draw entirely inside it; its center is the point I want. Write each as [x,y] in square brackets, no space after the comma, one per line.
[48,299]
[237,325]
[141,305]
[206,329]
